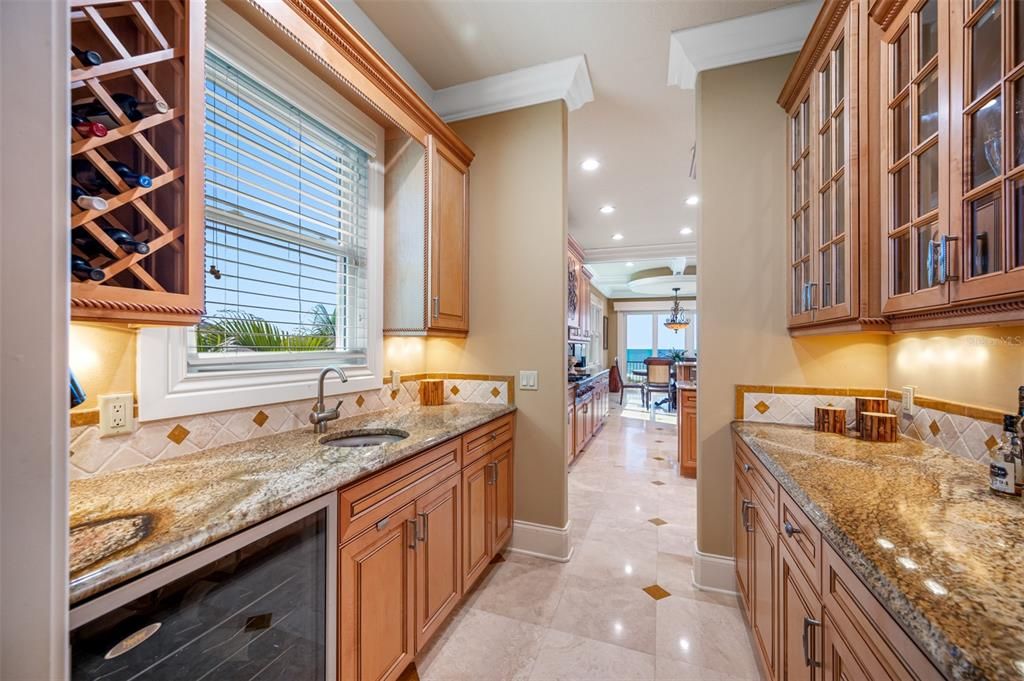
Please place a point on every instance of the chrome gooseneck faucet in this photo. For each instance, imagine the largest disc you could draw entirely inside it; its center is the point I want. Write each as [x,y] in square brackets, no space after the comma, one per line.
[321,415]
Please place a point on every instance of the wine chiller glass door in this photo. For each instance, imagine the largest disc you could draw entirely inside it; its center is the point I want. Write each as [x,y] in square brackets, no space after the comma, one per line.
[261,611]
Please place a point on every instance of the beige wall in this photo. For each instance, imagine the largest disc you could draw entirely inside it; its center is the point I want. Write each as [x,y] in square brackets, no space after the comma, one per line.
[102,357]
[741,278]
[982,367]
[518,215]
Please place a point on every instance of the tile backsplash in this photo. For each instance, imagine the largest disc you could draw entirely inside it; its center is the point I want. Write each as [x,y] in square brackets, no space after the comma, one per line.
[965,436]
[157,440]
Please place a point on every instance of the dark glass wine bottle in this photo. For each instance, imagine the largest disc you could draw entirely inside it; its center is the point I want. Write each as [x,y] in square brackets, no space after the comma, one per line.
[87,128]
[81,268]
[136,110]
[86,201]
[90,179]
[87,57]
[130,177]
[88,245]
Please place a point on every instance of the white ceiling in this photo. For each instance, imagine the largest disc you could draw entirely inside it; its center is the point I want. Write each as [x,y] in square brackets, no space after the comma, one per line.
[638,127]
[612,279]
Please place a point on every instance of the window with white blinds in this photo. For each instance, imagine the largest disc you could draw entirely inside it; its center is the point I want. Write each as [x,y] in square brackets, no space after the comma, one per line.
[287,202]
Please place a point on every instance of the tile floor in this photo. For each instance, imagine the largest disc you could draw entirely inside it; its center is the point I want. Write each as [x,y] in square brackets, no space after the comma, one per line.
[623,608]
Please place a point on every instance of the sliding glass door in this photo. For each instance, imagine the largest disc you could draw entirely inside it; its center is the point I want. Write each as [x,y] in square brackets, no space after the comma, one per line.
[646,336]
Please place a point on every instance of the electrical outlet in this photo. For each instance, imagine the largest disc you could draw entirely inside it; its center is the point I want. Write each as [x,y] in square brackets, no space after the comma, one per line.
[396,379]
[528,380]
[116,414]
[907,399]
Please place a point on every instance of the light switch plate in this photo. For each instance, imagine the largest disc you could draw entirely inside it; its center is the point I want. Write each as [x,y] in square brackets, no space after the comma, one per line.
[528,380]
[907,399]
[116,415]
[396,379]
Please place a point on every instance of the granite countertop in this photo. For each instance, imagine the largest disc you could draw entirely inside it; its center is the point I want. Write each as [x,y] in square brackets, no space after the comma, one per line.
[686,385]
[919,526]
[129,522]
[590,379]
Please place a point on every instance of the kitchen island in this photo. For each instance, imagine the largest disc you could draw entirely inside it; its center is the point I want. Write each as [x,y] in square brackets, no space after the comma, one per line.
[898,552]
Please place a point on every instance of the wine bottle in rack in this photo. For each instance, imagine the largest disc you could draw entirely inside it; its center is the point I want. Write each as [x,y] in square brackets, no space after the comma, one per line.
[136,110]
[87,57]
[130,177]
[87,128]
[86,201]
[90,179]
[81,268]
[91,247]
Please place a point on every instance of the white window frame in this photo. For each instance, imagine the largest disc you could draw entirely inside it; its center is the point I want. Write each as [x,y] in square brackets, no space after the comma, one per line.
[166,387]
[654,308]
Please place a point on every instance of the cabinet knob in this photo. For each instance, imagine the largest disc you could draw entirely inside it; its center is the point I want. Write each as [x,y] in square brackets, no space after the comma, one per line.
[746,468]
[790,529]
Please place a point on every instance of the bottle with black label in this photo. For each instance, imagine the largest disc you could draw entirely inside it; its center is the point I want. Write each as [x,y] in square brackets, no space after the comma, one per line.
[88,245]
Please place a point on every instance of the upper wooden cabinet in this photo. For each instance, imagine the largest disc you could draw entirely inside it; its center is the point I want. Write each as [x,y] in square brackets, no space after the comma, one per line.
[829,276]
[578,298]
[449,242]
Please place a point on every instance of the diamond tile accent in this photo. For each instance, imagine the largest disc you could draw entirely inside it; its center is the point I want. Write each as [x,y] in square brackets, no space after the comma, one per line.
[360,401]
[656,592]
[657,522]
[761,407]
[934,427]
[260,418]
[178,434]
[394,395]
[659,483]
[495,392]
[991,442]
[455,390]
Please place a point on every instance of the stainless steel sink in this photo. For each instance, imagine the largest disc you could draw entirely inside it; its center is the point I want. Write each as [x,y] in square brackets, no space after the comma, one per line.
[365,438]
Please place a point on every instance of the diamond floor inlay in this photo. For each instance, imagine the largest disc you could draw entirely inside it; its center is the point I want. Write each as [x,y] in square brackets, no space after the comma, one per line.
[624,607]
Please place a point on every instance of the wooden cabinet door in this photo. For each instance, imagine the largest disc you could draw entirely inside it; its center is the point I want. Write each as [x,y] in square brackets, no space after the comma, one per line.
[799,623]
[763,584]
[741,534]
[845,656]
[438,559]
[570,432]
[502,490]
[449,241]
[987,213]
[915,156]
[688,433]
[801,216]
[476,520]
[572,309]
[377,583]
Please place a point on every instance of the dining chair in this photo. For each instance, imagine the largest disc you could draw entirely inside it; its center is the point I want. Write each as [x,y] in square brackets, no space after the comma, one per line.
[659,378]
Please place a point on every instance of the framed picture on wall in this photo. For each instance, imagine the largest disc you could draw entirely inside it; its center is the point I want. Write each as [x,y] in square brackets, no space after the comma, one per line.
[604,333]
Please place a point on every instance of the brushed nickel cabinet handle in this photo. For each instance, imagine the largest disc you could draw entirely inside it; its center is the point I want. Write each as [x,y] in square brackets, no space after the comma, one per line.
[944,273]
[745,514]
[412,533]
[437,306]
[423,527]
[381,524]
[807,641]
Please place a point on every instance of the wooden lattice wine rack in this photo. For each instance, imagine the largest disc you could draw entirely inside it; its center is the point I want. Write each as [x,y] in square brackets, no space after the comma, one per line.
[152,51]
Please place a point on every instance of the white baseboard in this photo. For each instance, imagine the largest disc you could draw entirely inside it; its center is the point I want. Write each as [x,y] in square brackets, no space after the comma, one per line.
[541,541]
[713,573]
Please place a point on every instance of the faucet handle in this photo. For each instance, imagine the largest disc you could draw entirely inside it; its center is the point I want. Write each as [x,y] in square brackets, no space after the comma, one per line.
[337,407]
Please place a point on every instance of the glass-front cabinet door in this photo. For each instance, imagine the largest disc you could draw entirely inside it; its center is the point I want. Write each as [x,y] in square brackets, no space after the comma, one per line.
[800,191]
[986,257]
[915,155]
[823,181]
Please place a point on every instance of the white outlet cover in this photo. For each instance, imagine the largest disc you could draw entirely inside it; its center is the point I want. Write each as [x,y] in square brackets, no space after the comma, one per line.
[528,380]
[116,414]
[907,399]
[396,379]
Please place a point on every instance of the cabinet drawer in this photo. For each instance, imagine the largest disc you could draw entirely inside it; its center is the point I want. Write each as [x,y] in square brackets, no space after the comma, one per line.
[689,397]
[485,439]
[801,538]
[762,483]
[853,609]
[364,503]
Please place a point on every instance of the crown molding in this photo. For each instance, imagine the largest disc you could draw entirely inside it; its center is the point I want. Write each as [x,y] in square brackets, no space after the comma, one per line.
[566,79]
[736,41]
[686,250]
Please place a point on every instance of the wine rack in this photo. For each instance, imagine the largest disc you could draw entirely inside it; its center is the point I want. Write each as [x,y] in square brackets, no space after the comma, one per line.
[152,51]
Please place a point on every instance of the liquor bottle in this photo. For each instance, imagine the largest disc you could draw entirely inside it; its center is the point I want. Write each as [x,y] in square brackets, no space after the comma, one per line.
[130,177]
[87,57]
[81,268]
[88,245]
[76,393]
[85,201]
[136,110]
[87,128]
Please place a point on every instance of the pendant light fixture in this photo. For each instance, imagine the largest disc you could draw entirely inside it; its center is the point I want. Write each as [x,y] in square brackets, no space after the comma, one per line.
[677,320]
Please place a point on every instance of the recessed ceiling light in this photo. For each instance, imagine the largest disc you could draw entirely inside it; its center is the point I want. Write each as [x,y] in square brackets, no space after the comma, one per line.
[686,230]
[692,200]
[607,208]
[590,164]
[629,264]
[617,237]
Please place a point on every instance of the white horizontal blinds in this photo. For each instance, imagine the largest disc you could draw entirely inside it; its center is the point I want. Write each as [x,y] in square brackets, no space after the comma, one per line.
[286,228]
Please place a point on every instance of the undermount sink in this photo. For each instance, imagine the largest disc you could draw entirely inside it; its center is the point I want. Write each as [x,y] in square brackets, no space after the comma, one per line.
[365,438]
